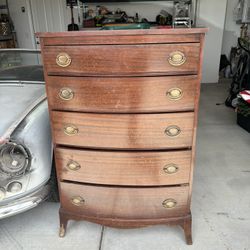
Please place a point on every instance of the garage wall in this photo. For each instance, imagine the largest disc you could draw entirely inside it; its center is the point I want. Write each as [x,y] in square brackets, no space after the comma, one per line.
[232,30]
[54,16]
[211,13]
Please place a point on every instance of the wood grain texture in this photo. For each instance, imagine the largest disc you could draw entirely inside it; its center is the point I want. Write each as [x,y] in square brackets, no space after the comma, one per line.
[65,216]
[123,168]
[184,221]
[124,39]
[122,95]
[123,131]
[122,59]
[138,32]
[119,79]
[124,203]
[197,100]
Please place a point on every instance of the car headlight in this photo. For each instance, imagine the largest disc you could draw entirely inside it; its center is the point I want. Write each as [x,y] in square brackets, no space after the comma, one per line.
[14,187]
[14,159]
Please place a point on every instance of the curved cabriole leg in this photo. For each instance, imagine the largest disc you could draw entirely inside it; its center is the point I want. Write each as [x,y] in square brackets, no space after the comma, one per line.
[187,227]
[63,224]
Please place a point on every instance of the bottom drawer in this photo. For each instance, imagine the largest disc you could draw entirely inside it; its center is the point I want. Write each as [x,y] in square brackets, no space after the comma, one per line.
[124,203]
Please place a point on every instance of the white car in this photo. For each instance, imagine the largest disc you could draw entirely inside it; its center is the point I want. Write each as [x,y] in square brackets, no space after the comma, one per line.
[26,152]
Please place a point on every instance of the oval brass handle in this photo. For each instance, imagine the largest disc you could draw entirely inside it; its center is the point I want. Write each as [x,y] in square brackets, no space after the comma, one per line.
[172,131]
[71,130]
[73,165]
[169,203]
[177,58]
[66,94]
[63,60]
[175,93]
[171,169]
[77,200]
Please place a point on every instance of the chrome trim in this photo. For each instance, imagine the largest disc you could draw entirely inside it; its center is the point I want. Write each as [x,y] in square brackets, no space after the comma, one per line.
[25,203]
[21,194]
[21,50]
[18,82]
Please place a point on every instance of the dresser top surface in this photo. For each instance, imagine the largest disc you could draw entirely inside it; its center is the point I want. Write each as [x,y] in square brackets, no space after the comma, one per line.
[153,31]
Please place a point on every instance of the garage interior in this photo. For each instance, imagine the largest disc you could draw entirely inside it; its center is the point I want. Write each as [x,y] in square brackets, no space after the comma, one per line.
[221,188]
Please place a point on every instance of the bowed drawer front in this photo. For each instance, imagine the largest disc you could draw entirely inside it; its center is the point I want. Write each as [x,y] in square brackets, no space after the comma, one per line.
[150,59]
[154,131]
[123,109]
[125,203]
[124,168]
[124,95]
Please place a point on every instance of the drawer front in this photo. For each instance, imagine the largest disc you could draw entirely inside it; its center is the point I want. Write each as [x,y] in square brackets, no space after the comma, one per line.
[123,59]
[123,168]
[123,95]
[109,38]
[140,131]
[124,203]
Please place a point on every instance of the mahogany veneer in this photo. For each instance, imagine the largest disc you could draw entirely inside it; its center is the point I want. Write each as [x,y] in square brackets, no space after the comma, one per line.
[124,202]
[140,131]
[122,59]
[123,108]
[124,168]
[128,95]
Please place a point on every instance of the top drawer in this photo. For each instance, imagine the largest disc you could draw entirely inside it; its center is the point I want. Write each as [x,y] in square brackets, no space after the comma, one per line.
[161,59]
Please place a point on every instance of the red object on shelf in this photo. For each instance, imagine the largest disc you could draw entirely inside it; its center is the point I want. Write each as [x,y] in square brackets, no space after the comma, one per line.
[164,27]
[245,95]
[90,23]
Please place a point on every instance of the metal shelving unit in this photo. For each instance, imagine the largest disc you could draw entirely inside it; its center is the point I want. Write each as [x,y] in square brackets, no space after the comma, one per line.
[7,37]
[184,20]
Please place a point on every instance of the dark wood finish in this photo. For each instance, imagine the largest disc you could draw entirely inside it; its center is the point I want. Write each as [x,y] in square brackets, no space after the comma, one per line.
[124,203]
[187,227]
[128,39]
[115,60]
[119,79]
[122,95]
[120,33]
[65,216]
[123,168]
[197,100]
[131,132]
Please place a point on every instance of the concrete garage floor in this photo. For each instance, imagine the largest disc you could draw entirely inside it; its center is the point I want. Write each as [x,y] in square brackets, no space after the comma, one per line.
[220,204]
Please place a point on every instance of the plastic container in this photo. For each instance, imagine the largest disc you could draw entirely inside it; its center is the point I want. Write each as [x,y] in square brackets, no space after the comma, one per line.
[244,122]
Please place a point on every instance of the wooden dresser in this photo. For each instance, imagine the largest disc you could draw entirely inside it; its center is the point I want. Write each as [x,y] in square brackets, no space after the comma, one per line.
[123,108]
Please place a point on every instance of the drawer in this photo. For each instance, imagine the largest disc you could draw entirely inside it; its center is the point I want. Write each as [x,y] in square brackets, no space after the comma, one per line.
[124,203]
[97,60]
[121,131]
[123,168]
[122,95]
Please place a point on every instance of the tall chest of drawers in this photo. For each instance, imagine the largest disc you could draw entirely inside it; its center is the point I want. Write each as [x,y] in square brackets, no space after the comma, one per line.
[123,108]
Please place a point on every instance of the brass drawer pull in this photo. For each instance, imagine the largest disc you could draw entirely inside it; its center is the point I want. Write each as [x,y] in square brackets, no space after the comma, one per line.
[73,165]
[77,201]
[169,203]
[63,60]
[175,93]
[177,58]
[66,94]
[172,131]
[171,169]
[71,130]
